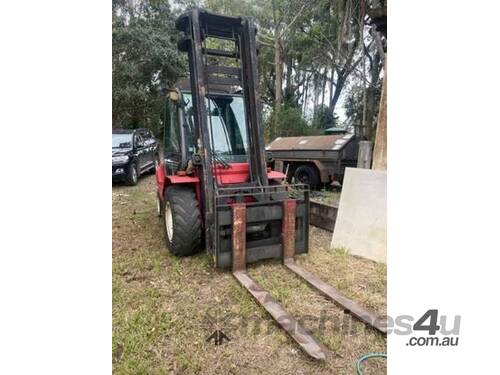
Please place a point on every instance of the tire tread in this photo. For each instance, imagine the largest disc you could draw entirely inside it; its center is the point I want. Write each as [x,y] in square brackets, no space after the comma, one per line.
[186,221]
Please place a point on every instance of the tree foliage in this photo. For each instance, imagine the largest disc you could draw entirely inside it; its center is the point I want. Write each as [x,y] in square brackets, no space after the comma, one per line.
[287,122]
[355,107]
[145,58]
[312,56]
[324,118]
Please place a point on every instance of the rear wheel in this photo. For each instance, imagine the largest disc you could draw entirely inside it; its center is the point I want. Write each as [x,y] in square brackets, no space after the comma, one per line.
[306,174]
[181,218]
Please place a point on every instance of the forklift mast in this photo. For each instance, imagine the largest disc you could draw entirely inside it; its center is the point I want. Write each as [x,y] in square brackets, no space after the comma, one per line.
[203,30]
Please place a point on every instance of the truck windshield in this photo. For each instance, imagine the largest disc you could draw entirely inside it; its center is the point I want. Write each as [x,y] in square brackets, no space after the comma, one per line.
[226,116]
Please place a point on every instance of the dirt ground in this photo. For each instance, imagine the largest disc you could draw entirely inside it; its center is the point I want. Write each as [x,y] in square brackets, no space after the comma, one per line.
[165,308]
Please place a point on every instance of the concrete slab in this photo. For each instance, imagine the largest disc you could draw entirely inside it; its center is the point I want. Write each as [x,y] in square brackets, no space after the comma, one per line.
[361,225]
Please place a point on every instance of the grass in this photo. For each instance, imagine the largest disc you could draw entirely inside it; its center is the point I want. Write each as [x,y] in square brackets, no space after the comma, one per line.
[326,196]
[164,307]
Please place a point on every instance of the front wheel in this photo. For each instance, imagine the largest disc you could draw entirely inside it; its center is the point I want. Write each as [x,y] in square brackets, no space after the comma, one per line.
[132,175]
[182,222]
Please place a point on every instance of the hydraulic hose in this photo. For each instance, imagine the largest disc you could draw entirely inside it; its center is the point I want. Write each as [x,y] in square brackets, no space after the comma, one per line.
[363,358]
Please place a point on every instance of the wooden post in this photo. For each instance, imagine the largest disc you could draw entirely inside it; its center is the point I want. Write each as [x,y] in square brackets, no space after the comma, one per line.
[380,149]
[365,154]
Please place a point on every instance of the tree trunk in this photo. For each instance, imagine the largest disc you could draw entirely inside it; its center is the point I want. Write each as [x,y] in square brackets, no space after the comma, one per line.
[323,87]
[330,94]
[338,89]
[288,81]
[380,149]
[278,60]
[278,66]
[306,89]
[370,95]
[364,128]
[295,87]
[315,93]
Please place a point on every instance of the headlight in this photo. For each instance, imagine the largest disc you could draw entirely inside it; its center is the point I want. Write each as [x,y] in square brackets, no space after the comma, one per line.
[120,159]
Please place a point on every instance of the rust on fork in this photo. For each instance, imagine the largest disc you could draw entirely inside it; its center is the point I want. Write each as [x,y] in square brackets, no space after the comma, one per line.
[239,236]
[288,228]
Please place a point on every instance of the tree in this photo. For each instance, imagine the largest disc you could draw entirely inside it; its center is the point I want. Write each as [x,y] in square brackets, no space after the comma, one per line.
[287,121]
[309,53]
[145,58]
[364,93]
[337,31]
[356,108]
[372,83]
[323,118]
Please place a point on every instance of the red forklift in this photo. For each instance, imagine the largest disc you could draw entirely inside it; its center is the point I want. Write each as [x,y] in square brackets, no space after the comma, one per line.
[215,191]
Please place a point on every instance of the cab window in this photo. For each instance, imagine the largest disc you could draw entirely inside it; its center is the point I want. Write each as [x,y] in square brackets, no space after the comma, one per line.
[172,143]
[226,114]
[172,138]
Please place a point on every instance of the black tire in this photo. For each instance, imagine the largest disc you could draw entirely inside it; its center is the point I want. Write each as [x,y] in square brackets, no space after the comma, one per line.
[306,174]
[181,221]
[132,175]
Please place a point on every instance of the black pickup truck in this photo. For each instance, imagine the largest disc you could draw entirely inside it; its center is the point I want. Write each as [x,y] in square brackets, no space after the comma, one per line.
[135,151]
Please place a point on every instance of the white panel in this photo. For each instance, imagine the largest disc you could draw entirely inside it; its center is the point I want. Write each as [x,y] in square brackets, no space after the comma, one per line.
[361,220]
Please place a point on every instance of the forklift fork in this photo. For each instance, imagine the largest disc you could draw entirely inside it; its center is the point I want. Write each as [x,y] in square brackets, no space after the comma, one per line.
[327,290]
[307,342]
[310,345]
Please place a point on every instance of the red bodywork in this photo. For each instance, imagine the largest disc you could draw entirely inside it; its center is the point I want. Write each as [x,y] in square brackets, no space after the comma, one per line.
[163,181]
[237,173]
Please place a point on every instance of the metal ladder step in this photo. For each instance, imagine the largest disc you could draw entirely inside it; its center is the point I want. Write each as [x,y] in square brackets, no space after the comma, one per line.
[218,69]
[228,81]
[220,53]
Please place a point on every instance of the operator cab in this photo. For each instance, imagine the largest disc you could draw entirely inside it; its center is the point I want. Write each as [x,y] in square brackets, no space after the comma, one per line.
[228,132]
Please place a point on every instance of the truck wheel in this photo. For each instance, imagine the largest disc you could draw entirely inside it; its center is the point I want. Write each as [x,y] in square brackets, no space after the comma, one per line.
[305,174]
[181,218]
[132,175]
